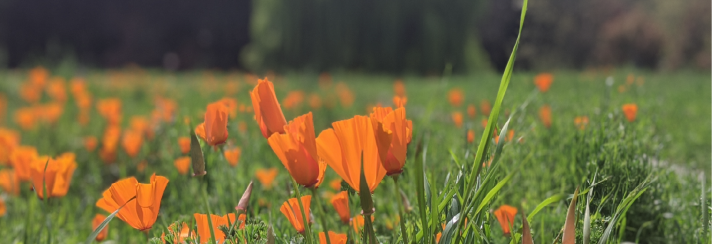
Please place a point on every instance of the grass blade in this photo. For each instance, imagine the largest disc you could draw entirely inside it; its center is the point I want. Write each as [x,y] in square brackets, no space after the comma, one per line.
[526,231]
[550,200]
[420,187]
[104,223]
[569,236]
[196,155]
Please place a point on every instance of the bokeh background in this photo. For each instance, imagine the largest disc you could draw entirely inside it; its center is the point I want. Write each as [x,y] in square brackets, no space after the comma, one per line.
[396,37]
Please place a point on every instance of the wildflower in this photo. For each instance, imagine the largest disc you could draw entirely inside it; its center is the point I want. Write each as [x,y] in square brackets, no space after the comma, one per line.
[402,133]
[630,110]
[293,99]
[291,210]
[543,81]
[200,131]
[232,155]
[333,238]
[3,208]
[353,142]
[346,97]
[485,107]
[314,101]
[340,202]
[110,109]
[204,227]
[132,141]
[9,182]
[505,216]
[335,184]
[56,90]
[9,140]
[183,233]
[242,126]
[399,101]
[90,143]
[142,125]
[55,174]
[30,93]
[457,119]
[38,76]
[266,177]
[357,222]
[399,88]
[182,164]
[21,159]
[456,96]
[98,218]
[215,124]
[109,143]
[184,143]
[25,118]
[231,105]
[297,150]
[581,122]
[142,213]
[470,136]
[50,112]
[268,113]
[245,199]
[545,115]
[471,110]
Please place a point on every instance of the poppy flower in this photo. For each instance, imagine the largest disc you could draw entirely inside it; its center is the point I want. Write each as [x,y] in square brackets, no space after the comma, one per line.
[346,97]
[266,177]
[165,109]
[3,208]
[471,110]
[77,86]
[505,216]
[399,101]
[293,100]
[9,140]
[402,133]
[456,96]
[457,118]
[26,117]
[204,227]
[470,136]
[333,238]
[181,234]
[83,101]
[581,122]
[215,124]
[232,156]
[485,107]
[268,113]
[545,115]
[543,81]
[242,126]
[56,174]
[132,141]
[21,159]
[340,202]
[200,131]
[141,212]
[56,90]
[30,93]
[182,164]
[9,182]
[231,105]
[50,112]
[184,143]
[141,124]
[291,210]
[98,218]
[335,184]
[297,150]
[90,143]
[38,76]
[353,142]
[110,109]
[357,222]
[630,110]
[314,101]
[399,88]
[110,141]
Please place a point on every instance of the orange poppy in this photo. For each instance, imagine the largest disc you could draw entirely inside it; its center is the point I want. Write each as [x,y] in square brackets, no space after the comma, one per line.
[357,222]
[3,208]
[333,238]
[293,99]
[140,214]
[622,88]
[346,97]
[109,143]
[399,101]
[25,117]
[545,115]
[543,81]
[98,218]
[268,113]
[399,88]
[485,107]
[38,76]
[340,202]
[9,140]
[297,150]
[132,142]
[314,101]
[266,177]
[50,112]
[21,159]
[140,124]
[77,86]
[9,182]
[402,133]
[30,93]
[456,96]
[56,90]
[180,236]
[204,227]
[83,101]
[182,164]
[352,143]
[471,110]
[291,210]
[110,109]
[215,124]
[335,184]
[200,131]
[56,174]
[231,105]
[630,110]
[233,156]
[166,109]
[470,136]
[457,118]
[505,216]
[90,143]
[581,122]
[184,143]
[3,107]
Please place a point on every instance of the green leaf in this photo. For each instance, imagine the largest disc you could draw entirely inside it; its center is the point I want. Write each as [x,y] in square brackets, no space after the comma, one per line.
[490,195]
[546,202]
[104,223]
[420,188]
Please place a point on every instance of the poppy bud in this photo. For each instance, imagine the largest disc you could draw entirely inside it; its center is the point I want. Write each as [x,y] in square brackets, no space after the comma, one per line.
[245,199]
[196,155]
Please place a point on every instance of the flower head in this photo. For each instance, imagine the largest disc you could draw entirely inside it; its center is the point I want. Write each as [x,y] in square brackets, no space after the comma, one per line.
[402,132]
[182,164]
[457,119]
[630,110]
[215,124]
[581,122]
[232,156]
[471,110]
[297,150]
[141,202]
[90,143]
[268,113]
[181,234]
[545,115]
[132,142]
[543,81]
[21,159]
[505,216]
[340,202]
[98,218]
[266,177]
[9,182]
[333,238]
[456,96]
[291,210]
[204,227]
[56,174]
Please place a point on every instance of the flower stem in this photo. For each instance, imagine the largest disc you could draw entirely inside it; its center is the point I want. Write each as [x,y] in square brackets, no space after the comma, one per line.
[307,229]
[207,205]
[401,210]
[321,209]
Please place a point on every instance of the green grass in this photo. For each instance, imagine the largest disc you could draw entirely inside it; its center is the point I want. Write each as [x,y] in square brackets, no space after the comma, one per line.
[672,129]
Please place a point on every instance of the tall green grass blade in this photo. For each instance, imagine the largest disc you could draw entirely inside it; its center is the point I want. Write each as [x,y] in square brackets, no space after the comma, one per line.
[420,188]
[623,208]
[546,202]
[490,195]
[104,223]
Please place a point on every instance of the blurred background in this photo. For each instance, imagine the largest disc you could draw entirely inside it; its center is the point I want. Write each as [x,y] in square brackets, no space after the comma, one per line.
[395,36]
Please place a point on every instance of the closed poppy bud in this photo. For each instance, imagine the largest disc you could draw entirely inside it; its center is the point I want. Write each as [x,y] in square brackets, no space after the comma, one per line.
[545,115]
[232,156]
[182,164]
[147,201]
[455,96]
[333,238]
[132,142]
[471,110]
[268,112]
[543,81]
[505,216]
[341,204]
[96,222]
[291,210]
[630,110]
[245,199]
[297,150]
[21,159]
[457,119]
[266,177]
[216,124]
[90,143]
[184,143]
